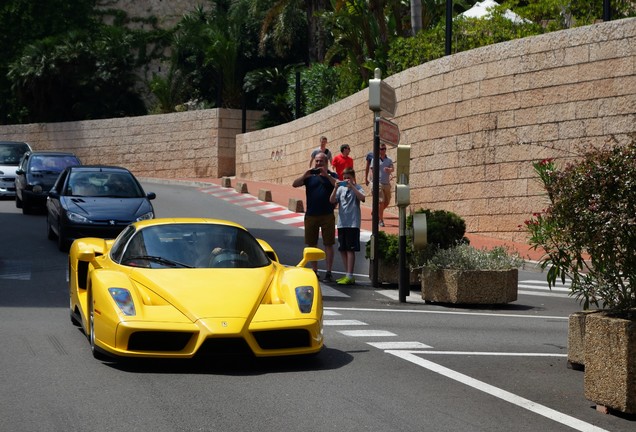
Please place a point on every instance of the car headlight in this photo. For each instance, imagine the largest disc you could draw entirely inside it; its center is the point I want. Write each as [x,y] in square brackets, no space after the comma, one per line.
[145,216]
[37,188]
[305,298]
[77,218]
[124,300]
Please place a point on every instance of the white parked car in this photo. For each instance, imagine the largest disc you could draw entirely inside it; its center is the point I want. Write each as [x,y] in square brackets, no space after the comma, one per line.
[10,154]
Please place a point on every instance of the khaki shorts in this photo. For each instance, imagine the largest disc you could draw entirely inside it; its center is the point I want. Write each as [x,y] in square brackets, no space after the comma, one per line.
[326,224]
[385,194]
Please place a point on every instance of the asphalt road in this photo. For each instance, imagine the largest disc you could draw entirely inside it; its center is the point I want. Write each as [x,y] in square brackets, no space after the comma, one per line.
[387,366]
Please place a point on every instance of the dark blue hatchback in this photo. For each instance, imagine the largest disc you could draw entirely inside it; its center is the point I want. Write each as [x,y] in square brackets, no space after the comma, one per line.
[35,176]
[95,201]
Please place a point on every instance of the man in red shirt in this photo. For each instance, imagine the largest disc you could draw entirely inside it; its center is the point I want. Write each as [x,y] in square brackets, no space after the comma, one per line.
[342,161]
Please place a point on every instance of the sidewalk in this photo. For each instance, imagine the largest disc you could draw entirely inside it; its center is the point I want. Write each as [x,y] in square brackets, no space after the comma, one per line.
[282,193]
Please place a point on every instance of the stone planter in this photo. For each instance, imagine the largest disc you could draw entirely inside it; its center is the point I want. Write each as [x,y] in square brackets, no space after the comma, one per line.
[576,339]
[470,286]
[610,362]
[388,273]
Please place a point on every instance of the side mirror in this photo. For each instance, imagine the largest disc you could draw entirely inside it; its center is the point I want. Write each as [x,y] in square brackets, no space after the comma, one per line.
[151,195]
[54,194]
[87,255]
[19,171]
[311,254]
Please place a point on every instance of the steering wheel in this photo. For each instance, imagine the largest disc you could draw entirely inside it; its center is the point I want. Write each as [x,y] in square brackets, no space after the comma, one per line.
[227,259]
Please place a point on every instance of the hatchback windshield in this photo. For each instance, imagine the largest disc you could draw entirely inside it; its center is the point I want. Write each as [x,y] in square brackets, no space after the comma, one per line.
[11,153]
[52,164]
[104,184]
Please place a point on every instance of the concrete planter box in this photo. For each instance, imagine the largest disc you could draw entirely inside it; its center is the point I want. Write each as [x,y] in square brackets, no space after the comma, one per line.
[576,339]
[388,273]
[470,286]
[610,362]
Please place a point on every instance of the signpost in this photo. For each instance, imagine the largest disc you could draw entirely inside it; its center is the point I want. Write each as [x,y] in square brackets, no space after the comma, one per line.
[382,101]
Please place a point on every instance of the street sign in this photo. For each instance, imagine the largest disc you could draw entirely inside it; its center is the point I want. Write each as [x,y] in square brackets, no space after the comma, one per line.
[388,101]
[388,131]
[381,96]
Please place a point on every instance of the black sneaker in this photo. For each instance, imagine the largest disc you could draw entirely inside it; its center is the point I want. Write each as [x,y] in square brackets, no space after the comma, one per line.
[328,277]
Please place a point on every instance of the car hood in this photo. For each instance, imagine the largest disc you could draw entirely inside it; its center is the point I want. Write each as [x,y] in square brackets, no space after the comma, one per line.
[208,293]
[107,208]
[44,178]
[8,170]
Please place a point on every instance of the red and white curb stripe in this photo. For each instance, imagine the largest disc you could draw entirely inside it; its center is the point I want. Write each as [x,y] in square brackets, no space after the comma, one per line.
[266,209]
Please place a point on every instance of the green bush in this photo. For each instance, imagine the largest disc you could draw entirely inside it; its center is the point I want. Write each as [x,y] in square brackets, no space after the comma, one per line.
[465,257]
[588,231]
[444,230]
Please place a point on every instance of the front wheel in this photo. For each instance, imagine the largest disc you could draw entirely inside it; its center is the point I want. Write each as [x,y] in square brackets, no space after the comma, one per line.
[97,354]
[50,234]
[62,242]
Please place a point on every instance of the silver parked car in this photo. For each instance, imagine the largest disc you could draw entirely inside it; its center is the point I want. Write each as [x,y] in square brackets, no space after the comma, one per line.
[10,154]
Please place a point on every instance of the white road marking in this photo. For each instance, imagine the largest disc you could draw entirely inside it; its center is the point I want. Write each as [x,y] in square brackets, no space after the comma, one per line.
[344,323]
[497,392]
[330,313]
[543,294]
[399,345]
[496,354]
[327,291]
[367,333]
[497,315]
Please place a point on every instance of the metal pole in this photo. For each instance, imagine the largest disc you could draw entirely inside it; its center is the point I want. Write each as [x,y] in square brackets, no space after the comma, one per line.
[607,10]
[449,26]
[404,283]
[375,206]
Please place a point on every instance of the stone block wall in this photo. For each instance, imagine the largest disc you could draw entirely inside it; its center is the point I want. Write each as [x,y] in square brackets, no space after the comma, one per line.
[476,121]
[192,144]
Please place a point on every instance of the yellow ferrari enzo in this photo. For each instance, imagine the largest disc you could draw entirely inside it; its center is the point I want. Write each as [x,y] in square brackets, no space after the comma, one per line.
[176,288]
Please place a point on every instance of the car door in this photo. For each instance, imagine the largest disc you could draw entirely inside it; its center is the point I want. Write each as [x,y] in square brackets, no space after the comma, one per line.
[53,206]
[21,177]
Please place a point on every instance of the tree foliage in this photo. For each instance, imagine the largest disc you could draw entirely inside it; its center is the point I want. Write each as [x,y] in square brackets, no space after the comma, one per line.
[63,62]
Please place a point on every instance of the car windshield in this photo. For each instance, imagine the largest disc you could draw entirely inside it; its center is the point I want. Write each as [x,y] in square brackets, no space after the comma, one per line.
[52,164]
[103,184]
[11,153]
[192,245]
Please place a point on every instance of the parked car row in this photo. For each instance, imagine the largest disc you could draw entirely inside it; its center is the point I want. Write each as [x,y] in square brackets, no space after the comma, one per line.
[79,200]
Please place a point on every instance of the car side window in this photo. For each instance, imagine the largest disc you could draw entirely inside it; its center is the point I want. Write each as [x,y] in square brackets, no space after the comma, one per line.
[120,245]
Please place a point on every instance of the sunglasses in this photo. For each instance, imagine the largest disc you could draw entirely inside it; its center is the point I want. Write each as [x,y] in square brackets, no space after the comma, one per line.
[382,148]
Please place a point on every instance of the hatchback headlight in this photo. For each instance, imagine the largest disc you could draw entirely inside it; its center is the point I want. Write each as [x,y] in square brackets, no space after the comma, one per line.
[77,218]
[305,298]
[37,188]
[145,216]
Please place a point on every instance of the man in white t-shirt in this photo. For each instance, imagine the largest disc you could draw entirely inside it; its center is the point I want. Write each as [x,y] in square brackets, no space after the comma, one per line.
[322,149]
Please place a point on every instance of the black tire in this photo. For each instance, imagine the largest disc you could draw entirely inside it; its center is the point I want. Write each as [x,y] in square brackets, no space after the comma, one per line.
[97,354]
[74,320]
[62,242]
[50,234]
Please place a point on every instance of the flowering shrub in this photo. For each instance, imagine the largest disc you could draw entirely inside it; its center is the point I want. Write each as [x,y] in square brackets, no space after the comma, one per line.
[465,257]
[588,231]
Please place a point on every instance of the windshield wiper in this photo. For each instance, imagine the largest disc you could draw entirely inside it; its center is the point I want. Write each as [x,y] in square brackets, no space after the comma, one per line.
[159,260]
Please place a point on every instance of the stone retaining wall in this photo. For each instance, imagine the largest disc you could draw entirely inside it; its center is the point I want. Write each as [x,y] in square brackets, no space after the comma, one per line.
[476,120]
[192,144]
